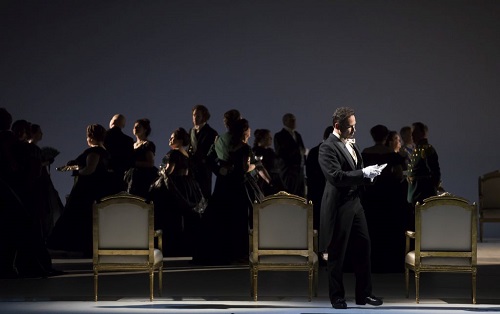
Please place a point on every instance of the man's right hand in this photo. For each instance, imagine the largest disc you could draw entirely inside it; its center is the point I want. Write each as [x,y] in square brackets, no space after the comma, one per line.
[371,171]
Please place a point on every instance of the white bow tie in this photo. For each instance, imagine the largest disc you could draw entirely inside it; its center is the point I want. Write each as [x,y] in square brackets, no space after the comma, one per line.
[349,140]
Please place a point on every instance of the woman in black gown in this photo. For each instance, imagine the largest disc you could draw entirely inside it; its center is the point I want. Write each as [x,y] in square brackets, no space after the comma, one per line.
[174,195]
[22,247]
[73,230]
[267,157]
[144,173]
[226,220]
[49,203]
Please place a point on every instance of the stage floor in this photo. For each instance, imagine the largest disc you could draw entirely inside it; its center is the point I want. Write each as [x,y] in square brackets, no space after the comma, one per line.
[188,289]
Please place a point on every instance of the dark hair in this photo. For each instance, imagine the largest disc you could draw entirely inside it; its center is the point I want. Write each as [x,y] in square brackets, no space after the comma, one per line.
[341,115]
[419,126]
[96,132]
[146,124]
[327,132]
[20,127]
[260,135]
[204,111]
[230,117]
[390,135]
[238,130]
[35,128]
[379,133]
[182,134]
[5,119]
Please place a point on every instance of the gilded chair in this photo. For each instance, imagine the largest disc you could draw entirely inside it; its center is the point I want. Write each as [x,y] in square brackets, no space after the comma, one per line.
[489,199]
[445,240]
[124,237]
[282,239]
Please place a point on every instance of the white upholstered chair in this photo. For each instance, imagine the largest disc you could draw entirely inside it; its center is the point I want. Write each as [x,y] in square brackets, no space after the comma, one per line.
[123,235]
[282,239]
[489,199]
[445,240]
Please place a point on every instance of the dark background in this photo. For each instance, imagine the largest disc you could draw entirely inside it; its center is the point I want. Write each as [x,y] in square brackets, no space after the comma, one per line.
[65,64]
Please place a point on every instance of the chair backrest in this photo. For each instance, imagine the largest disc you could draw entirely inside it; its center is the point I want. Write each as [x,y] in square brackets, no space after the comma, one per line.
[446,224]
[123,222]
[283,225]
[489,190]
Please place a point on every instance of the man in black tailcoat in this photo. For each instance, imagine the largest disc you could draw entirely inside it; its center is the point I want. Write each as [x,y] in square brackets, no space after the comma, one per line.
[343,219]
[121,150]
[290,150]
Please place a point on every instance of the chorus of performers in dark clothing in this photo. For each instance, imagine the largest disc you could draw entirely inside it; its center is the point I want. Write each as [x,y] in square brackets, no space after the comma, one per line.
[196,217]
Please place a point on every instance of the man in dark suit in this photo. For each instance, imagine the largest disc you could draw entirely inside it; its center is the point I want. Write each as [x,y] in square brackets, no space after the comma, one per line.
[120,148]
[290,150]
[202,136]
[343,219]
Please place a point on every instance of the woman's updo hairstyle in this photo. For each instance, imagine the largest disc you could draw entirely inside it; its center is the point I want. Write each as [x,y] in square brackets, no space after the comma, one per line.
[259,136]
[238,130]
[145,124]
[96,132]
[182,135]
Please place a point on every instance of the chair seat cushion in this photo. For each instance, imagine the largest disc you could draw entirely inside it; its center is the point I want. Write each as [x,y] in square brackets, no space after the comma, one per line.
[438,261]
[283,259]
[128,259]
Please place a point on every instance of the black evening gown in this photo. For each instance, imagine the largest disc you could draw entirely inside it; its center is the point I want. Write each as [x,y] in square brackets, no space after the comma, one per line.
[270,163]
[73,230]
[22,245]
[139,179]
[174,197]
[386,212]
[225,223]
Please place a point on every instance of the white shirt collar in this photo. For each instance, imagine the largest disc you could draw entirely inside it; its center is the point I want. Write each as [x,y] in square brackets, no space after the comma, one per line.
[346,140]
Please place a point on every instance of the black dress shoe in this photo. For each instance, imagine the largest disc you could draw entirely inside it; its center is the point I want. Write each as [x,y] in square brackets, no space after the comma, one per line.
[372,300]
[339,304]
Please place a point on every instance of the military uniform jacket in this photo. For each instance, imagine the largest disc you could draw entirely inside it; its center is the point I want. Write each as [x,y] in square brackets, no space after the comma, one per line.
[424,174]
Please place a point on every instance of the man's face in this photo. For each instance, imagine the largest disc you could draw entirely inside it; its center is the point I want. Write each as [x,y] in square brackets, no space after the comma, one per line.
[416,135]
[290,122]
[198,117]
[348,128]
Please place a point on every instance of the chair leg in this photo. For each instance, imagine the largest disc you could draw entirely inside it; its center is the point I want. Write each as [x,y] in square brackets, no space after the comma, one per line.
[417,287]
[151,284]
[95,285]
[251,280]
[474,286]
[160,280]
[311,276]
[316,279]
[254,283]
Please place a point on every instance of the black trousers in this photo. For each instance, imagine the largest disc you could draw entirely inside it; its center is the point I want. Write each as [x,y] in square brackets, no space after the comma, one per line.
[350,230]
